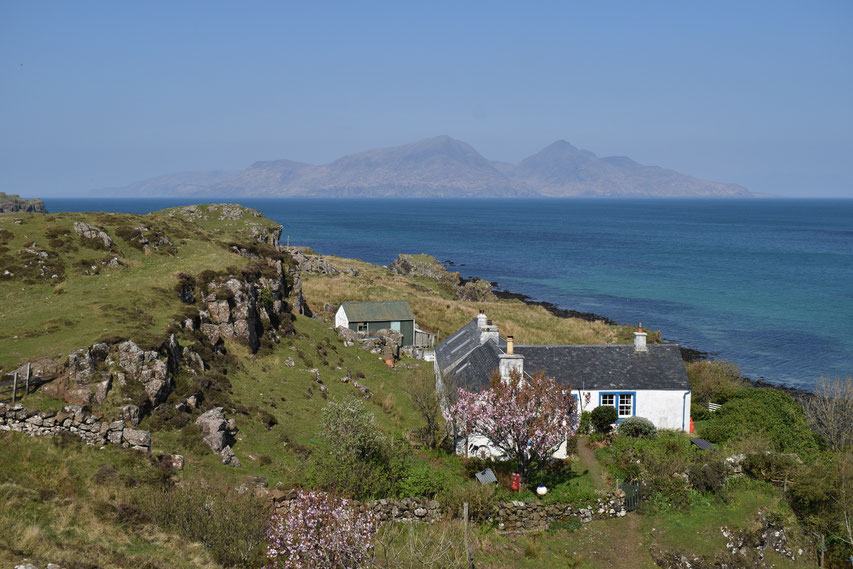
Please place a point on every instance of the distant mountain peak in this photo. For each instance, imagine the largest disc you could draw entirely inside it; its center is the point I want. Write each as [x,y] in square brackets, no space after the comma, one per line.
[443,166]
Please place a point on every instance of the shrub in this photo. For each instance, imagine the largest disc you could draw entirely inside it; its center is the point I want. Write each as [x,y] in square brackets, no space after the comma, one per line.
[714,380]
[423,480]
[769,466]
[229,524]
[585,424]
[322,531]
[768,411]
[358,458]
[637,427]
[603,417]
[708,476]
[481,500]
[698,412]
[571,446]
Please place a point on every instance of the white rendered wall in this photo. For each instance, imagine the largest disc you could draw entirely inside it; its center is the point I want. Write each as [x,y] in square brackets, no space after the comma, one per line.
[341,320]
[667,409]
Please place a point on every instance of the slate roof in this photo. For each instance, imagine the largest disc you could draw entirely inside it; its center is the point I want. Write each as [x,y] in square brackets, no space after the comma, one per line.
[378,311]
[594,367]
[463,347]
[610,366]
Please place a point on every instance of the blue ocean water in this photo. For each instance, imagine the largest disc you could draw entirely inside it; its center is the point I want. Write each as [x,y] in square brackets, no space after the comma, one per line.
[767,284]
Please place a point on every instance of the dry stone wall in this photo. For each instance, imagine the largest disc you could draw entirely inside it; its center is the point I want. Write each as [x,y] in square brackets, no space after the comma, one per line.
[77,420]
[515,516]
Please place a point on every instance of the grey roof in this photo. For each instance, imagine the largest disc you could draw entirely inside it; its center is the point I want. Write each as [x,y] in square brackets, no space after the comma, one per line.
[378,311]
[610,366]
[465,342]
[596,367]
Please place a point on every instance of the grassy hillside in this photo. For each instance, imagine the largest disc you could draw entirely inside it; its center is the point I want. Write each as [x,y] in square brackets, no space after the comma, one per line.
[437,310]
[88,507]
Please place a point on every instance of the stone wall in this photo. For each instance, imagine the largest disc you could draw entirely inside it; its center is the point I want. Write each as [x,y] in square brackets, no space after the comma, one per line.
[76,420]
[532,515]
[515,516]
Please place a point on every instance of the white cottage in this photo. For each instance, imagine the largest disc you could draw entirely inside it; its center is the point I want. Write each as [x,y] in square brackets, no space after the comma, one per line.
[637,379]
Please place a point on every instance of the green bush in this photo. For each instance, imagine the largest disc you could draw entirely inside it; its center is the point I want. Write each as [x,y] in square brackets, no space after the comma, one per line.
[637,427]
[770,412]
[423,480]
[603,418]
[714,380]
[481,500]
[698,412]
[769,466]
[708,476]
[585,424]
[357,458]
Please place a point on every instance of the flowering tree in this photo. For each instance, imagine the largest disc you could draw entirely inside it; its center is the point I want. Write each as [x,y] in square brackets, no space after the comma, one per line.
[527,418]
[320,531]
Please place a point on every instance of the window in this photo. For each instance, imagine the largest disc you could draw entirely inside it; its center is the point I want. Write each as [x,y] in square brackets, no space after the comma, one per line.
[623,402]
[362,327]
[626,404]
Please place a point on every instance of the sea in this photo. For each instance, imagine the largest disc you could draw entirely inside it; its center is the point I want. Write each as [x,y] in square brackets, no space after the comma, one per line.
[765,283]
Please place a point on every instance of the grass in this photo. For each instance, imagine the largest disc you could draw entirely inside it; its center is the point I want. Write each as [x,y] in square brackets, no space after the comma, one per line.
[53,511]
[437,310]
[44,317]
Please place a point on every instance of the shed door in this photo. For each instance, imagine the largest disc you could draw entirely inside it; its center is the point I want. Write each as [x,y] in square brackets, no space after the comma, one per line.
[395,326]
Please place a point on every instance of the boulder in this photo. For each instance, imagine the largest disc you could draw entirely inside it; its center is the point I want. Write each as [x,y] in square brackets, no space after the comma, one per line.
[348,334]
[218,431]
[92,232]
[137,438]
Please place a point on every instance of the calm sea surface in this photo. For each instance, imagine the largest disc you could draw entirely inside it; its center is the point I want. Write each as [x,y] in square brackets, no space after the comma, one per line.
[767,284]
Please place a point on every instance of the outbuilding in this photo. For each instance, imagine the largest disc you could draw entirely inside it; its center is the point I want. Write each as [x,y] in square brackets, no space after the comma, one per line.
[369,317]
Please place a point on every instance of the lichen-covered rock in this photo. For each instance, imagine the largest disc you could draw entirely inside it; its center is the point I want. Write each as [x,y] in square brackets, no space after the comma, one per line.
[94,233]
[217,431]
[137,438]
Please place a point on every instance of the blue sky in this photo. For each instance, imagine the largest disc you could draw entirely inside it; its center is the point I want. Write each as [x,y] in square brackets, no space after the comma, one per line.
[98,94]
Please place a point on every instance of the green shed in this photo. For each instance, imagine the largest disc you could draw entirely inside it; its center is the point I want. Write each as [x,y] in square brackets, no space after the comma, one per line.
[369,317]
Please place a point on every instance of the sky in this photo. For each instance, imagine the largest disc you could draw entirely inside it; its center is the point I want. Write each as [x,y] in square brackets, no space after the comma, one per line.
[102,94]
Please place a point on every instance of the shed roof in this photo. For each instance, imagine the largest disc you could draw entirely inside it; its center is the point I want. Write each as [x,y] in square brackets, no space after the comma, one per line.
[378,311]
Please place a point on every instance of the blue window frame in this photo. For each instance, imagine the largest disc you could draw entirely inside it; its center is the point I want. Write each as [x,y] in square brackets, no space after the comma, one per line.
[624,401]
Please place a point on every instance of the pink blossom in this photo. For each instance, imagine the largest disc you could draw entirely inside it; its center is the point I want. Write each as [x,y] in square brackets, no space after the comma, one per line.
[525,418]
[320,531]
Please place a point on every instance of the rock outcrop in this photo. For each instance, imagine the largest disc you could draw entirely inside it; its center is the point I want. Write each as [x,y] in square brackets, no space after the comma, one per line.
[425,266]
[476,290]
[217,430]
[93,233]
[12,203]
[87,375]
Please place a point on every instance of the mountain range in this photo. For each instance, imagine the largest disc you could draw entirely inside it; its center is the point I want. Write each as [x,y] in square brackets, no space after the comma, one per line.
[441,167]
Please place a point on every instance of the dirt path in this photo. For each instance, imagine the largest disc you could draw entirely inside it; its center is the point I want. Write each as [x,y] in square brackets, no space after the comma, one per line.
[589,462]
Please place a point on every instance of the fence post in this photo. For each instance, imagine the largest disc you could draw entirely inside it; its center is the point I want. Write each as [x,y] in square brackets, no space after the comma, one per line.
[468,552]
[27,390]
[14,386]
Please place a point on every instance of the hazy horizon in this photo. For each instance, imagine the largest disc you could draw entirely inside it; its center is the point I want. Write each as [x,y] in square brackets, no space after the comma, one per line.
[103,95]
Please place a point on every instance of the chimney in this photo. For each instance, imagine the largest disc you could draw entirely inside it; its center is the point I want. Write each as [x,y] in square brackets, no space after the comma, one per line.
[510,361]
[481,319]
[488,331]
[640,339]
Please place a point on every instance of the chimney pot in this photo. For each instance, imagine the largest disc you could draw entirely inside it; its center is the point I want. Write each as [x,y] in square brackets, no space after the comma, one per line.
[510,347]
